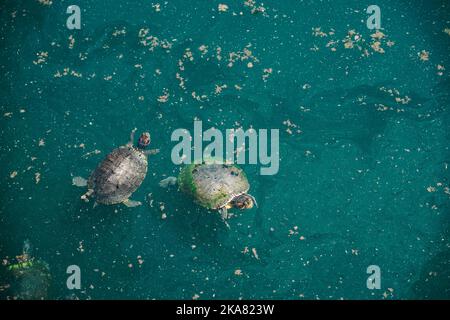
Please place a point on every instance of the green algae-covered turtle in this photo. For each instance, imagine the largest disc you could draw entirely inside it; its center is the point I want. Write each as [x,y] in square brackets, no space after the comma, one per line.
[216,186]
[119,174]
[31,277]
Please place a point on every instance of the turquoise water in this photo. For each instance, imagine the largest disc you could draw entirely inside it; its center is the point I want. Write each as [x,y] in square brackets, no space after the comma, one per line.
[364,147]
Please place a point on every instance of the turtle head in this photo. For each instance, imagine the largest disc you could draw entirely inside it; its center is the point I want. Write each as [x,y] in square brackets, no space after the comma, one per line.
[144,140]
[244,201]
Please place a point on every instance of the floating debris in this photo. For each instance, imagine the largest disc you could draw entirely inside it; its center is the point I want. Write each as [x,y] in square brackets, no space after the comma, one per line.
[151,41]
[245,54]
[157,7]
[181,81]
[37,177]
[254,8]
[45,2]
[255,254]
[354,40]
[222,7]
[164,97]
[67,72]
[219,88]
[424,55]
[266,74]
[120,32]
[71,42]
[376,46]
[388,293]
[203,49]
[390,43]
[404,100]
[396,95]
[447,190]
[219,53]
[317,32]
[150,200]
[80,247]
[378,35]
[162,208]
[188,55]
[293,231]
[41,58]
[291,126]
[198,97]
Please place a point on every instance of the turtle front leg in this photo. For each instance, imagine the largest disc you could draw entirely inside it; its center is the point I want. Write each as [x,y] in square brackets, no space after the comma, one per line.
[253,199]
[131,142]
[131,203]
[86,196]
[224,215]
[151,152]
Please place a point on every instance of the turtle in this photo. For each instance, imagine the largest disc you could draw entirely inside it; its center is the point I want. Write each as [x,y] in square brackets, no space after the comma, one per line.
[31,278]
[214,185]
[119,174]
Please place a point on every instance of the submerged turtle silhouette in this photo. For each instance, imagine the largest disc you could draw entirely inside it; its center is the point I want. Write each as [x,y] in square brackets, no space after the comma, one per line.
[216,186]
[119,174]
[31,278]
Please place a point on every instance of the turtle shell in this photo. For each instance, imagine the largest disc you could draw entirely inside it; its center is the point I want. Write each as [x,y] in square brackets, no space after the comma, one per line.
[213,185]
[118,175]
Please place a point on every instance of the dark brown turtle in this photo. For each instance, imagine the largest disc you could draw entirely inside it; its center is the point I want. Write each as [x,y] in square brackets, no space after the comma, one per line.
[119,174]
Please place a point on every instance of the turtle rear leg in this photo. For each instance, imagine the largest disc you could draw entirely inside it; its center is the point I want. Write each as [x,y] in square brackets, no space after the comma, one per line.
[86,196]
[79,181]
[170,181]
[131,203]
[151,152]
